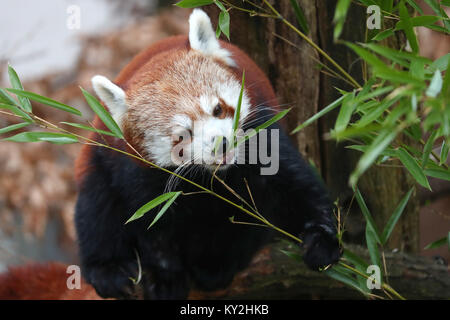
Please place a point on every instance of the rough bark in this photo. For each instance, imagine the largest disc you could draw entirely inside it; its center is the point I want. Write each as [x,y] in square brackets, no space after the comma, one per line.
[274,275]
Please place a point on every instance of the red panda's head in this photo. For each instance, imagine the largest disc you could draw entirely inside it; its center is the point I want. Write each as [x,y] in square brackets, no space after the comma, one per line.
[180,105]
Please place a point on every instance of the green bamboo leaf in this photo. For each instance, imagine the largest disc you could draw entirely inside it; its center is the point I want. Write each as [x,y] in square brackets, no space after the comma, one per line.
[375,113]
[408,27]
[372,246]
[383,34]
[444,151]
[45,100]
[14,127]
[367,56]
[220,5]
[164,208]
[237,111]
[413,4]
[344,278]
[438,243]
[428,148]
[359,265]
[150,205]
[443,174]
[6,98]
[84,127]
[370,223]
[224,23]
[440,12]
[266,124]
[15,82]
[193,3]
[345,113]
[319,114]
[293,255]
[301,19]
[36,136]
[388,152]
[398,56]
[97,107]
[435,86]
[379,144]
[387,5]
[393,219]
[340,14]
[440,63]
[418,21]
[19,112]
[413,167]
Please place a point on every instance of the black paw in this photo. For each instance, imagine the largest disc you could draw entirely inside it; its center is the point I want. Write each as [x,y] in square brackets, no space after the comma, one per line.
[165,285]
[322,248]
[114,280]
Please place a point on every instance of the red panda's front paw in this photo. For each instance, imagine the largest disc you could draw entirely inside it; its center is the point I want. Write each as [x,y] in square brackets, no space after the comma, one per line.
[322,248]
[114,281]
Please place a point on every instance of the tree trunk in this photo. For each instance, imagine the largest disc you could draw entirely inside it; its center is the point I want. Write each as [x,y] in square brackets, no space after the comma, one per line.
[299,84]
[274,275]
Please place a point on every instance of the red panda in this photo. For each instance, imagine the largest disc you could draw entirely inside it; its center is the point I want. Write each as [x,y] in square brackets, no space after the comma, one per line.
[183,91]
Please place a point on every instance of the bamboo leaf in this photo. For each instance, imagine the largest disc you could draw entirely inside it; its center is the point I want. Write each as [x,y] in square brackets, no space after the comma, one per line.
[383,34]
[412,166]
[164,208]
[428,148]
[372,246]
[444,151]
[344,278]
[301,19]
[340,14]
[150,205]
[408,27]
[237,111]
[379,144]
[84,127]
[345,113]
[443,174]
[45,100]
[370,223]
[102,114]
[6,98]
[393,219]
[19,112]
[36,136]
[193,3]
[319,114]
[15,82]
[293,255]
[435,86]
[438,243]
[224,23]
[14,127]
[266,124]
[413,4]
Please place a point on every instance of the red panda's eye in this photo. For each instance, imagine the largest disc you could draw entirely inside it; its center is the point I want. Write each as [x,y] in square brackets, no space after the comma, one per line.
[217,111]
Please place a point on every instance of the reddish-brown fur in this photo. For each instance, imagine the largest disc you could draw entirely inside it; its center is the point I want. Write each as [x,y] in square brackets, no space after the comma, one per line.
[42,282]
[141,69]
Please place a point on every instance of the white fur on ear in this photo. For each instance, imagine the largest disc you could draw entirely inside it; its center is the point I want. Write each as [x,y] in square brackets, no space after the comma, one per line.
[203,38]
[112,95]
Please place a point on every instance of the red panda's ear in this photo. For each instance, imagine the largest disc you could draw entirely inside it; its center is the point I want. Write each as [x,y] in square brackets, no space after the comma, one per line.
[203,38]
[112,95]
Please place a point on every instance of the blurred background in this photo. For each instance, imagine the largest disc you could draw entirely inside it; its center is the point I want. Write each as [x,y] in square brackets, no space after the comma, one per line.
[53,56]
